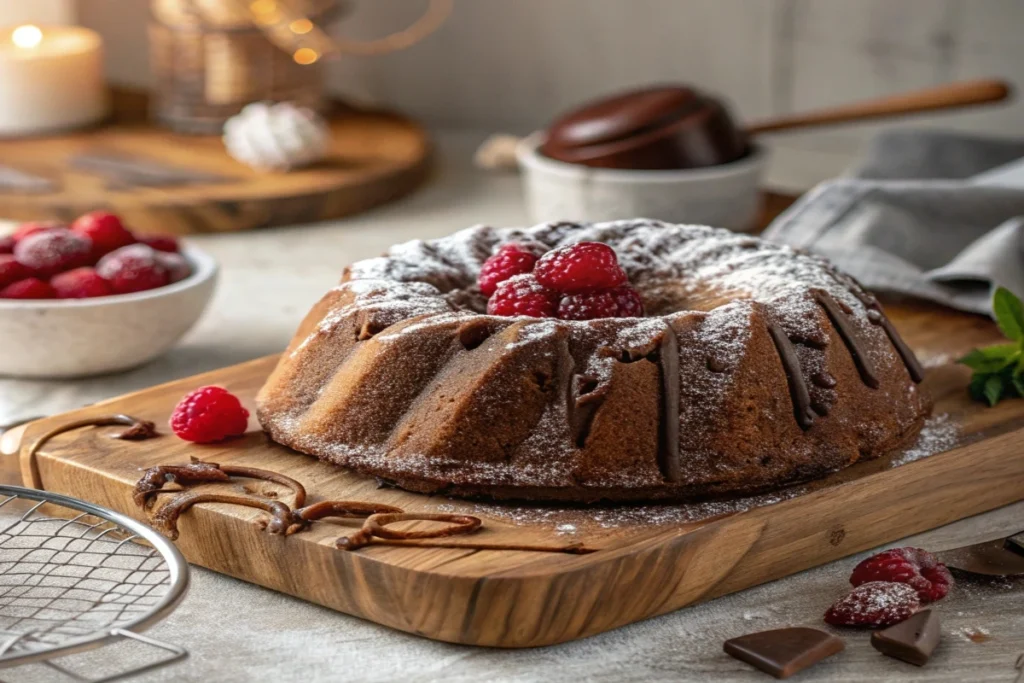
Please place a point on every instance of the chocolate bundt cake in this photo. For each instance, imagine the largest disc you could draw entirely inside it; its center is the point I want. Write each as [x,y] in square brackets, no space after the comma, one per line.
[756,366]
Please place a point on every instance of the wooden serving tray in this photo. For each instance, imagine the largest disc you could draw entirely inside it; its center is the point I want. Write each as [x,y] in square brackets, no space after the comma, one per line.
[162,182]
[648,561]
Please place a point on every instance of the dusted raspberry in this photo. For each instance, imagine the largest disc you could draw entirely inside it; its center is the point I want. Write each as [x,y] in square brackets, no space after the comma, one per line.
[176,265]
[588,306]
[80,283]
[208,415]
[879,603]
[160,242]
[629,301]
[617,302]
[11,270]
[48,252]
[29,288]
[511,259]
[105,230]
[7,244]
[917,568]
[523,295]
[26,229]
[580,267]
[134,268]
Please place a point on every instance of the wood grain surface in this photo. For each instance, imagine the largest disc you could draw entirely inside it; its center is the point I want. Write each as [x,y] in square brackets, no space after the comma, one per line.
[505,598]
[162,182]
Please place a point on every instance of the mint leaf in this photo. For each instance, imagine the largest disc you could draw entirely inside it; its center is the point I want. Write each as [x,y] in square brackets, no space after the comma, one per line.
[1017,381]
[992,358]
[977,386]
[1009,314]
[993,389]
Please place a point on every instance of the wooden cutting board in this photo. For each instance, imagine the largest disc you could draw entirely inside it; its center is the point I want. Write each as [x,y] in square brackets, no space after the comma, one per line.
[162,182]
[648,560]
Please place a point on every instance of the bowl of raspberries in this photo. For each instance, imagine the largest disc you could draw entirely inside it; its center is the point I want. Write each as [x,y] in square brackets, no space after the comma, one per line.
[94,297]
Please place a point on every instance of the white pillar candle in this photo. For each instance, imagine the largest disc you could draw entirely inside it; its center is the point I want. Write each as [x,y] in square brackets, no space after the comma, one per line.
[51,79]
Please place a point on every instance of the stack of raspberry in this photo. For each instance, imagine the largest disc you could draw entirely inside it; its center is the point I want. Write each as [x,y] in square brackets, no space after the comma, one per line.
[582,281]
[94,256]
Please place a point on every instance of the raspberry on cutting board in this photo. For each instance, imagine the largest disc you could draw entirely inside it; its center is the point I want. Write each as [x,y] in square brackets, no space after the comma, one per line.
[208,415]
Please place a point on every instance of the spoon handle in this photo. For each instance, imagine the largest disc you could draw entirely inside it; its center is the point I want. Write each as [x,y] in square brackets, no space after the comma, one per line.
[948,96]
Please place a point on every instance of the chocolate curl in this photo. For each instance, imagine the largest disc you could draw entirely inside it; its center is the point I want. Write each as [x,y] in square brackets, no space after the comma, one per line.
[282,519]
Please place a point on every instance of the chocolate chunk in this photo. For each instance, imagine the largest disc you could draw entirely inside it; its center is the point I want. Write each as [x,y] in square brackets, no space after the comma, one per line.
[913,640]
[785,651]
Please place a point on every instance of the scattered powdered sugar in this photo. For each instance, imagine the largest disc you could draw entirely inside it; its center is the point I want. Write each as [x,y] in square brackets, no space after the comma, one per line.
[938,435]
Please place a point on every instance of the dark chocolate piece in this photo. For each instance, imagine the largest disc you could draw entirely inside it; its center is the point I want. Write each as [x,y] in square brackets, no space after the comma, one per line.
[913,640]
[668,438]
[849,336]
[785,651]
[798,391]
[1002,557]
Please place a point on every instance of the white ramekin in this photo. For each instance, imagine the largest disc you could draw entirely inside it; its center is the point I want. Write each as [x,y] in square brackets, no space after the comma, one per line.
[725,196]
[79,337]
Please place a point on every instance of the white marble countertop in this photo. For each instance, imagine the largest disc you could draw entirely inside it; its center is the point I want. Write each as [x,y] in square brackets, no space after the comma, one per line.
[239,632]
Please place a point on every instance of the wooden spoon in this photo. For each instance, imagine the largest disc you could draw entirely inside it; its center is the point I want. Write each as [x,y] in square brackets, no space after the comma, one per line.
[948,96]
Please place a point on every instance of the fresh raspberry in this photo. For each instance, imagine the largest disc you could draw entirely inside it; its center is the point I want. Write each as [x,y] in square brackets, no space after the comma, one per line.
[105,230]
[80,283]
[208,415]
[917,568]
[29,288]
[12,271]
[31,228]
[134,268]
[879,603]
[48,252]
[160,242]
[7,244]
[176,265]
[580,267]
[511,259]
[617,302]
[523,295]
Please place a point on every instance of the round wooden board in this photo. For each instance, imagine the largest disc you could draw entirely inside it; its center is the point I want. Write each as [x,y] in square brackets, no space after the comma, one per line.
[161,182]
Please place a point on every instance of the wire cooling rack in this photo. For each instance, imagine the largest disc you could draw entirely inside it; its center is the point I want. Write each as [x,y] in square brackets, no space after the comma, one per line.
[75,576]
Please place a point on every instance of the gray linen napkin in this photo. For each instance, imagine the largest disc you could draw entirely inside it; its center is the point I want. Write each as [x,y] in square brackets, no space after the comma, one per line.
[933,215]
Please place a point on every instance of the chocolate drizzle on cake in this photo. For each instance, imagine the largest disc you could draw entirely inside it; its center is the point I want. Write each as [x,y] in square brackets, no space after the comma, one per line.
[909,359]
[849,336]
[798,391]
[668,437]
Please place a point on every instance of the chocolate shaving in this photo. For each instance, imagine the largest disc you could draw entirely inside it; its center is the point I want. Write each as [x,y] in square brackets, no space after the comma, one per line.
[342,508]
[137,430]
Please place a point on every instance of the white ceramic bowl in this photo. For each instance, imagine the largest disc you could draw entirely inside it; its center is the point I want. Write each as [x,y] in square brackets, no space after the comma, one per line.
[80,337]
[725,196]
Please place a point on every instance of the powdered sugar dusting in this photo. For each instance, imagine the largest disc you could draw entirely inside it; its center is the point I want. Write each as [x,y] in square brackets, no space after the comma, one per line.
[938,435]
